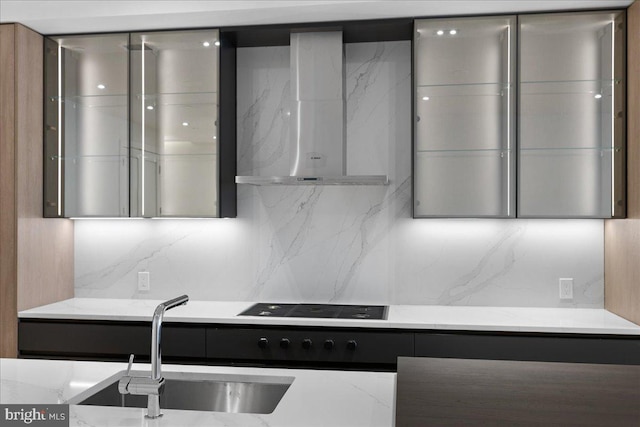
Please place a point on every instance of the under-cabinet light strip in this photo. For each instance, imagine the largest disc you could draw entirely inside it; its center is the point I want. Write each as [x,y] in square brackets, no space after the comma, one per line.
[613,114]
[508,120]
[59,130]
[142,135]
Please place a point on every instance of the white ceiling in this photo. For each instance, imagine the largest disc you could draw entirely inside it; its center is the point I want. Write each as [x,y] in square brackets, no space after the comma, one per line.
[85,16]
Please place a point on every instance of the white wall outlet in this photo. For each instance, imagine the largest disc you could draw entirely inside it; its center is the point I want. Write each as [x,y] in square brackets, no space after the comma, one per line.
[144,281]
[566,288]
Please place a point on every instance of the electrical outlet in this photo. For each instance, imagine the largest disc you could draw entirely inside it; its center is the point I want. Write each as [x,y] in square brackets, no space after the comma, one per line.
[144,281]
[566,288]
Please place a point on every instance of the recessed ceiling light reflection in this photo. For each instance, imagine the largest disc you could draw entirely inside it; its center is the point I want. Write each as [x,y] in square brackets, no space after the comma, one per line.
[425,98]
[217,43]
[185,123]
[453,32]
[149,107]
[597,96]
[101,86]
[206,44]
[439,32]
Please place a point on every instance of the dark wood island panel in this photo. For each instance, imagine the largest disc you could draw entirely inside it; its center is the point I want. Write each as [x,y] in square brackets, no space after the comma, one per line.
[441,392]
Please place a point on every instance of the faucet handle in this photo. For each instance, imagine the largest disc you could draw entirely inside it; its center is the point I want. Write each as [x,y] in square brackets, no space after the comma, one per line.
[123,383]
[131,356]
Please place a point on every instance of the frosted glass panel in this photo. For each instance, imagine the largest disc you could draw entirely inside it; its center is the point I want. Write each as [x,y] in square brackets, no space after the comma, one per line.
[464,129]
[460,116]
[92,74]
[565,181]
[474,182]
[571,93]
[174,113]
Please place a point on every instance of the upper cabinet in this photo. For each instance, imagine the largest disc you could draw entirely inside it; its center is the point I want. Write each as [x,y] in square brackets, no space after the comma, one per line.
[464,127]
[571,115]
[547,144]
[86,126]
[132,126]
[515,116]
[174,132]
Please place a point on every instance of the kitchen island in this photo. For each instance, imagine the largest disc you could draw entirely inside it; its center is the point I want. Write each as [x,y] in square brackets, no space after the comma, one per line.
[315,398]
[455,392]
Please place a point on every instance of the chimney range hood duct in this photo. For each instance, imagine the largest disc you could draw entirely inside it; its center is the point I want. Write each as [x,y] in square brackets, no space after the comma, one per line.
[317,125]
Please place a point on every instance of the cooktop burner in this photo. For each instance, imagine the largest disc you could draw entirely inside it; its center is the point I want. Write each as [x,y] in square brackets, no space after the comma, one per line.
[324,311]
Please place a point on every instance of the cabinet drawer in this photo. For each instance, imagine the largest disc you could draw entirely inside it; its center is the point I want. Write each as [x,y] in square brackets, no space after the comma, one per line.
[547,348]
[314,346]
[108,339]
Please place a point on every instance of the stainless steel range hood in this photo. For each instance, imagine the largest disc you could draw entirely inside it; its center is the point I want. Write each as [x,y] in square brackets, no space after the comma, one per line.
[317,126]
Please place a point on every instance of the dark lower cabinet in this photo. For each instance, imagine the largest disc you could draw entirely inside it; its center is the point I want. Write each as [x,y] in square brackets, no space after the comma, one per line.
[339,348]
[108,340]
[533,347]
[321,346]
[317,347]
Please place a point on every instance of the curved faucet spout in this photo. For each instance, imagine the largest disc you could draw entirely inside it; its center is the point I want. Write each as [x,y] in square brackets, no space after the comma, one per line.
[156,333]
[154,386]
[172,303]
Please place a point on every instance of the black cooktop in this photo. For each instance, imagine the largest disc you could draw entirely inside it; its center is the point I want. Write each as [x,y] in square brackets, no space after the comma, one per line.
[323,311]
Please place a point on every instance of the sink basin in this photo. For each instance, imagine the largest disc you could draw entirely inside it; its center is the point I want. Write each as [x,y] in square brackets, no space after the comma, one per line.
[197,392]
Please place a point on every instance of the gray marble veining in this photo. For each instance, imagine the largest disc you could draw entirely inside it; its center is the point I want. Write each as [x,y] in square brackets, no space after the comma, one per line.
[340,244]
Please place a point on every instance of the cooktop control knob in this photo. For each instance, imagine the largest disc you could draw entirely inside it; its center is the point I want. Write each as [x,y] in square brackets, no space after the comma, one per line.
[306,343]
[284,343]
[328,344]
[263,342]
[352,345]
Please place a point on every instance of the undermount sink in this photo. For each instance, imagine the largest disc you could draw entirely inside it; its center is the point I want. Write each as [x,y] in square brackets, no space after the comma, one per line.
[197,392]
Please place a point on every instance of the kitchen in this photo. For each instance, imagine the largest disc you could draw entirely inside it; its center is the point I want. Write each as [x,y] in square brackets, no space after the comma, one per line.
[340,245]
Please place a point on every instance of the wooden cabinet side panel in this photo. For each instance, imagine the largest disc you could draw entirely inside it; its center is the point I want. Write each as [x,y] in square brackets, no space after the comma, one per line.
[45,246]
[633,111]
[622,237]
[8,293]
[622,268]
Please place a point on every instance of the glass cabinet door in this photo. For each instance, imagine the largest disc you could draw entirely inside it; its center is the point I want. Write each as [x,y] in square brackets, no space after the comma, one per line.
[86,126]
[571,121]
[174,132]
[464,128]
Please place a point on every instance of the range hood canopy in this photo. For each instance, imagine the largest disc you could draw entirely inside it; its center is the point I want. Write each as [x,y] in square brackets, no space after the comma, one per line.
[317,131]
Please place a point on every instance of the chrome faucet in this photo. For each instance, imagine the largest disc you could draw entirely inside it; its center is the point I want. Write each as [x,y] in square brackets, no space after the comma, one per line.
[152,386]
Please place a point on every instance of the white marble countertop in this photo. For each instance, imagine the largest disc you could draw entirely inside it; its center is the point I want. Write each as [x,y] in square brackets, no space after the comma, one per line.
[314,399]
[503,319]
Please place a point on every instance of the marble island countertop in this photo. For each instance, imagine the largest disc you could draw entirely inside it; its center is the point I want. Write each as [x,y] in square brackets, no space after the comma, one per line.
[501,319]
[315,398]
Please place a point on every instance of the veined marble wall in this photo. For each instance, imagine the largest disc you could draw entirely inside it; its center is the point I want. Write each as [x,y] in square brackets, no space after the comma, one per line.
[338,243]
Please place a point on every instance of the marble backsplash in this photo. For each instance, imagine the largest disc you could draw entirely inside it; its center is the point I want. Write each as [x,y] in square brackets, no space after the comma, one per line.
[338,243]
